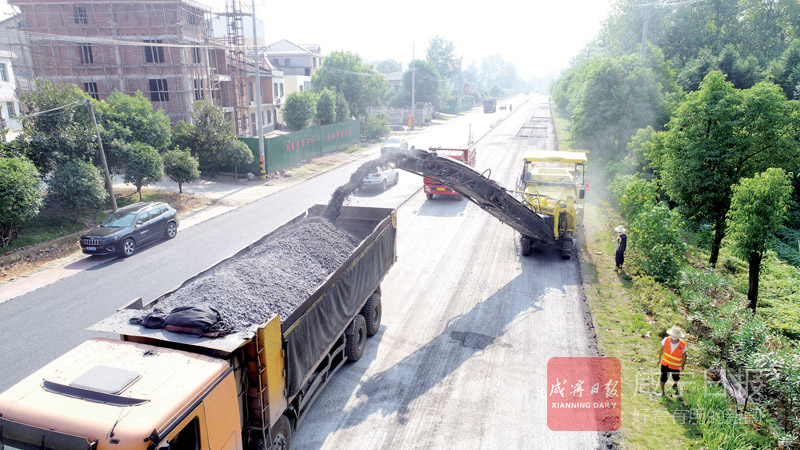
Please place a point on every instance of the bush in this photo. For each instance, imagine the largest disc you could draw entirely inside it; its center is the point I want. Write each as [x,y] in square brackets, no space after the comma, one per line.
[634,195]
[20,195]
[77,186]
[375,127]
[655,237]
[234,155]
[144,166]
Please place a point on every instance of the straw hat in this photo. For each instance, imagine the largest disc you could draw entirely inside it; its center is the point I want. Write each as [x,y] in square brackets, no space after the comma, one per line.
[675,332]
[620,229]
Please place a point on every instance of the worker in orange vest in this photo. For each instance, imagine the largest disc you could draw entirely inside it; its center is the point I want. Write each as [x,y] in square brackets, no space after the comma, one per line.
[672,357]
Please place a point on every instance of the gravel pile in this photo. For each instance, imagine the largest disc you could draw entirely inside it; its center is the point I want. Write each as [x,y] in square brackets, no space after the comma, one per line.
[275,277]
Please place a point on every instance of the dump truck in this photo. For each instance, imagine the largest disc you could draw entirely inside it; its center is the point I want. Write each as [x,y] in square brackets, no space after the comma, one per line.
[550,211]
[155,389]
[433,187]
[490,105]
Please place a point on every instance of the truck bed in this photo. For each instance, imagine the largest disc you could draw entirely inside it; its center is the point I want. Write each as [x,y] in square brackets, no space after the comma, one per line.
[311,329]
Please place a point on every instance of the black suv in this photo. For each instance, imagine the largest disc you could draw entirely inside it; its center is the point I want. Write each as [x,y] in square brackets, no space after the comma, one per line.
[131,227]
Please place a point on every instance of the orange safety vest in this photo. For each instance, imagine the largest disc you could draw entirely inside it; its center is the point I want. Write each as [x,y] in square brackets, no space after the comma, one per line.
[673,359]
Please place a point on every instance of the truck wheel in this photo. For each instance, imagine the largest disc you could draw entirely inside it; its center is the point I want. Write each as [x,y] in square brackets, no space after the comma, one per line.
[430,196]
[525,245]
[372,314]
[280,434]
[356,339]
[128,247]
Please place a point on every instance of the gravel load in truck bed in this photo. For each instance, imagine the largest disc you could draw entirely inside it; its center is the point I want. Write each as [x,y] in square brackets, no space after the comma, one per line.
[275,277]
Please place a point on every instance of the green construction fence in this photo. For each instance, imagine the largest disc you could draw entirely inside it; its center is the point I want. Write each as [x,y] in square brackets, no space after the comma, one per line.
[285,151]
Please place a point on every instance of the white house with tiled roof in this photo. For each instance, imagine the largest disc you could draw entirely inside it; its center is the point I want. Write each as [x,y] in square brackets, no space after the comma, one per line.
[9,106]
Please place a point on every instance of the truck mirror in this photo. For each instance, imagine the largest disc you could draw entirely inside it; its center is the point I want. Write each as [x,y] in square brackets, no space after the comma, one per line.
[582,194]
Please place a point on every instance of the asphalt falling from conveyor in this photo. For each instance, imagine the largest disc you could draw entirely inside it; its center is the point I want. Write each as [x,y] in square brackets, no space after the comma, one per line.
[346,190]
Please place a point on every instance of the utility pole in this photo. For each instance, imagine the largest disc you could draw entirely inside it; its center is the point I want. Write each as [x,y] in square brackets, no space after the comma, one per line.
[109,186]
[458,97]
[260,119]
[413,70]
[644,29]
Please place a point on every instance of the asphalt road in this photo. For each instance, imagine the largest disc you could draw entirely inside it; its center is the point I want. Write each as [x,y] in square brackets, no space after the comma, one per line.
[37,327]
[468,323]
[468,327]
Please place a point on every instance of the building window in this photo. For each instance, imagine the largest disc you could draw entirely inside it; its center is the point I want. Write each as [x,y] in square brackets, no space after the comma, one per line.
[12,110]
[86,54]
[79,12]
[159,90]
[276,61]
[154,54]
[269,117]
[194,18]
[281,89]
[198,89]
[196,55]
[91,89]
[287,62]
[3,73]
[250,92]
[275,89]
[300,88]
[253,123]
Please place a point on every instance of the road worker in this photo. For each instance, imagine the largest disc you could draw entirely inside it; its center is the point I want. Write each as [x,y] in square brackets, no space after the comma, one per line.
[672,357]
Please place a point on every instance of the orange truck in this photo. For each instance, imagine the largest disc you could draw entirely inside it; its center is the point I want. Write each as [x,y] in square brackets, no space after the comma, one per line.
[154,389]
[465,155]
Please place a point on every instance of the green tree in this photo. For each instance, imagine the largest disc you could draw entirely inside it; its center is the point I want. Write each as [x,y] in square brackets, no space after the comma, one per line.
[426,81]
[342,109]
[299,110]
[786,70]
[144,166]
[236,154]
[441,53]
[133,118]
[183,135]
[209,135]
[77,186]
[389,66]
[20,195]
[717,136]
[60,135]
[758,209]
[345,72]
[326,107]
[181,167]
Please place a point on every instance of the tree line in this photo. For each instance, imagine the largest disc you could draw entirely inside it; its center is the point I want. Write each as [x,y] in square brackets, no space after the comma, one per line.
[55,159]
[346,86]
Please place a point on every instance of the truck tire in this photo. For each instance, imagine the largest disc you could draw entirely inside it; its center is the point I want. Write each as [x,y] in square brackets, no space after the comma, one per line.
[430,196]
[280,434]
[525,245]
[356,339]
[372,314]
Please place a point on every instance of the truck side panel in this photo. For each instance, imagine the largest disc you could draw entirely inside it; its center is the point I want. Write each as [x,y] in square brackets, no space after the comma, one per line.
[310,336]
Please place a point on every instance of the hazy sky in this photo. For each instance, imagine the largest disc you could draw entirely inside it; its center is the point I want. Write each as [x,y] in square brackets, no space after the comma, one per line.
[538,36]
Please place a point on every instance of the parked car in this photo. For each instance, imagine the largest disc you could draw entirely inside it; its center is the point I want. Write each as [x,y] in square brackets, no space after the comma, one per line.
[381,179]
[393,144]
[131,227]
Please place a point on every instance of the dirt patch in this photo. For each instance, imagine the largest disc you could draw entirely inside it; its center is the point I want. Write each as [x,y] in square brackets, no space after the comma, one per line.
[275,277]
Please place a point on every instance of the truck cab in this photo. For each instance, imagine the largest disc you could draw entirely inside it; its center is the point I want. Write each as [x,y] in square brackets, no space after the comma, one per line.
[490,105]
[109,394]
[433,187]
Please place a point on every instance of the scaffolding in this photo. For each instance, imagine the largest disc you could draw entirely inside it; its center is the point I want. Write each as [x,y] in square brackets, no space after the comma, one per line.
[163,49]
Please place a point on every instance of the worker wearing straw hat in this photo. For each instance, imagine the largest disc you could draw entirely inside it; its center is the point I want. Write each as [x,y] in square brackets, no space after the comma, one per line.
[622,244]
[672,357]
